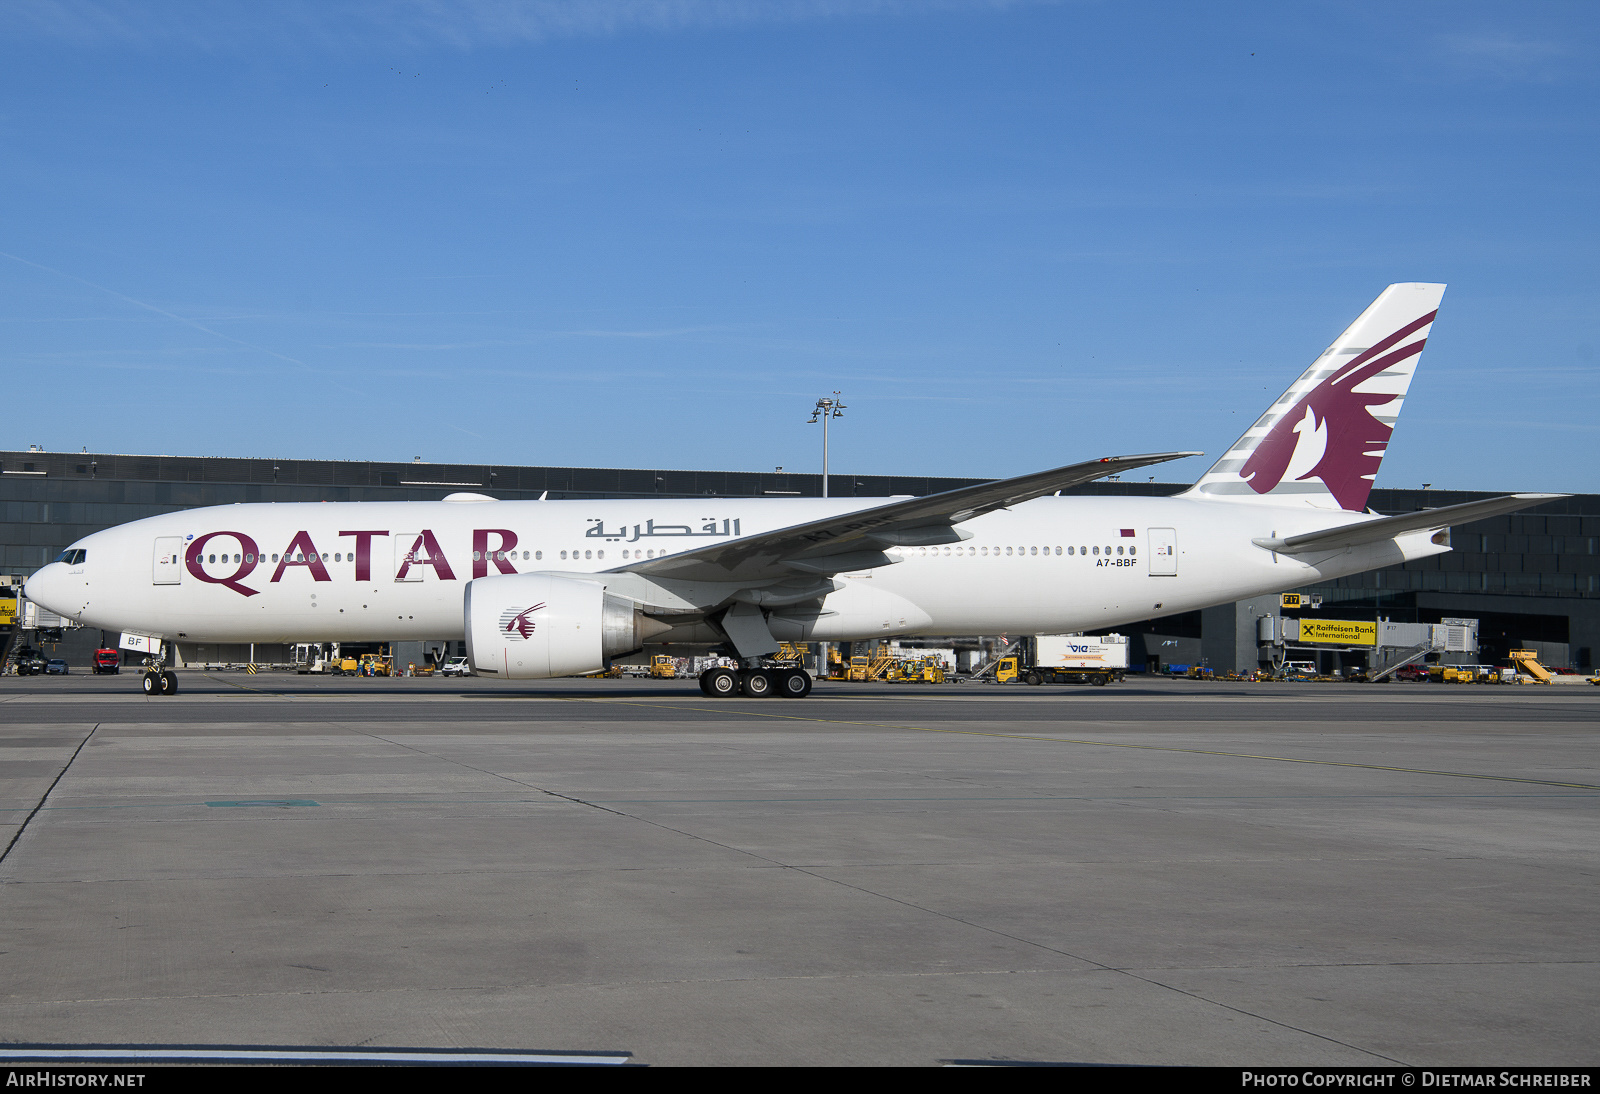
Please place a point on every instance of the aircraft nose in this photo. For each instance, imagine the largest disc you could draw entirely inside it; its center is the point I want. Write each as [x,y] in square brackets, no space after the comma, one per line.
[47,586]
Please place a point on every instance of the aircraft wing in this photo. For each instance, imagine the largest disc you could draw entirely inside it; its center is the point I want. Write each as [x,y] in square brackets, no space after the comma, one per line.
[1375,531]
[856,541]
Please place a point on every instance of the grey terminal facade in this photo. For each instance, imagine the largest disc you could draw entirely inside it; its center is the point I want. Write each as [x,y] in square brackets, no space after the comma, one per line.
[1532,579]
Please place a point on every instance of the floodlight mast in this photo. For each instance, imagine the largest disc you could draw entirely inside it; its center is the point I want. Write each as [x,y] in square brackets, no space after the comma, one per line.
[827,407]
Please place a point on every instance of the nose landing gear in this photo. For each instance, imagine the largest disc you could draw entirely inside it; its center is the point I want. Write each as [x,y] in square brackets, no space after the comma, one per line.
[158,679]
[160,683]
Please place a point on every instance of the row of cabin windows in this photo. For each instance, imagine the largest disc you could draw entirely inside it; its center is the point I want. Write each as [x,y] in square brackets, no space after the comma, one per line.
[77,556]
[985,552]
[338,556]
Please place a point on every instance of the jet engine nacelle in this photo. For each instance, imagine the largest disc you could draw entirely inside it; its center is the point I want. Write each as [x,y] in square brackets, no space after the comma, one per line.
[535,626]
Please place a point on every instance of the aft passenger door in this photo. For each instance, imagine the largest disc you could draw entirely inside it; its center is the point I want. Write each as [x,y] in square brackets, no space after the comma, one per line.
[167,567]
[1163,552]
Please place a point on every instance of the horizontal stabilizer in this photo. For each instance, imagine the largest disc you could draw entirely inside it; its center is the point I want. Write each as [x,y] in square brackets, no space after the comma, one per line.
[1375,531]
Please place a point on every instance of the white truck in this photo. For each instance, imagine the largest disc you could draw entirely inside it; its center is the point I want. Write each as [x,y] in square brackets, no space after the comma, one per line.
[1073,659]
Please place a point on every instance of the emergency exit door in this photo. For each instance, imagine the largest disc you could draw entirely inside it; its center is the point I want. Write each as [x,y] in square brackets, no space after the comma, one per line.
[167,568]
[1163,552]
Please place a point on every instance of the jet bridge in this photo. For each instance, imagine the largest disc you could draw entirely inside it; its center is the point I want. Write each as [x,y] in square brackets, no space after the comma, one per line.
[1389,646]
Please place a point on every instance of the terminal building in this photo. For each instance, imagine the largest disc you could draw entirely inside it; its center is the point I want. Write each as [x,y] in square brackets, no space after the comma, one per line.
[1530,579]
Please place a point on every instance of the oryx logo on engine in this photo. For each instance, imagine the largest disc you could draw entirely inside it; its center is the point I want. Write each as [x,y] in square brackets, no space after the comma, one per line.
[514,622]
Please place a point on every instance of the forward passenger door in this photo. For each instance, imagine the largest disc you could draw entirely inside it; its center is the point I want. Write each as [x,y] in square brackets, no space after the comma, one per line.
[167,566]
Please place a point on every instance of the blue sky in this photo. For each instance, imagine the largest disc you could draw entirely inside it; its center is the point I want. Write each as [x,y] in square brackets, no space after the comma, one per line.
[651,234]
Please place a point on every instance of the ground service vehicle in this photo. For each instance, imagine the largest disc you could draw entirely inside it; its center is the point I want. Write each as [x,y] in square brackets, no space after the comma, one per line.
[917,670]
[107,660]
[30,662]
[545,589]
[456,666]
[55,667]
[1067,659]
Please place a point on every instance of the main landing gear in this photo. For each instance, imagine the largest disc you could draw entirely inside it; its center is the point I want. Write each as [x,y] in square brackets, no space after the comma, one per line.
[756,683]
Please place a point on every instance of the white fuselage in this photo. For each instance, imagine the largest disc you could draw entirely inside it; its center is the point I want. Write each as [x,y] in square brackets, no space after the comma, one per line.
[381,571]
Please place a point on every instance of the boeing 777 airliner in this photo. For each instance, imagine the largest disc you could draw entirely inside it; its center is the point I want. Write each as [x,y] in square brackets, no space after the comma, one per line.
[540,589]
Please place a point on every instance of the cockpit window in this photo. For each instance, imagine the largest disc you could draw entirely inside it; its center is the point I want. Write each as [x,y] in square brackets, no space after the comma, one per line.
[73,556]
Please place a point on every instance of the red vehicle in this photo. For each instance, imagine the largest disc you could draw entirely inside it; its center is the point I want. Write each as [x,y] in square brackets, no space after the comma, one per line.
[1411,672]
[107,661]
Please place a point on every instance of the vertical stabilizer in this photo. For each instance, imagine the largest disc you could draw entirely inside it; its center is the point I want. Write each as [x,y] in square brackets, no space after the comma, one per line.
[1321,443]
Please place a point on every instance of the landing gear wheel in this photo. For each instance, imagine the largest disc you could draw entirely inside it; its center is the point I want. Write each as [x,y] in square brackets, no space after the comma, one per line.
[758,684]
[169,683]
[719,683]
[152,684]
[793,683]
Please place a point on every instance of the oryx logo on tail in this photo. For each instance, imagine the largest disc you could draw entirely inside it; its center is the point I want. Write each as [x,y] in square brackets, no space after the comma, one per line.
[1321,443]
[1331,434]
[514,622]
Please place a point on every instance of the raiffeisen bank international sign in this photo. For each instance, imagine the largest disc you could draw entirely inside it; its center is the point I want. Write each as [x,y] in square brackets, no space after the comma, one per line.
[1341,632]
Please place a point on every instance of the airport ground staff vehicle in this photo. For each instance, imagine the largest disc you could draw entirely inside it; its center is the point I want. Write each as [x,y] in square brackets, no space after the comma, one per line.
[107,661]
[28,661]
[917,670]
[1067,659]
[546,589]
[1527,661]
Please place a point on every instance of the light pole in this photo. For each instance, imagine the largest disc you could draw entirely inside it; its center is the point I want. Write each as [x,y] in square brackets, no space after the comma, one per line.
[826,408]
